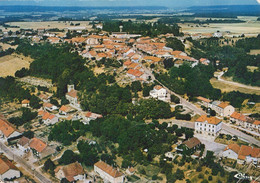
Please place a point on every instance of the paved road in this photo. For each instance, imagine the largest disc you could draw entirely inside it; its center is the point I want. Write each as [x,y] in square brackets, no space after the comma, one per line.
[241,135]
[24,164]
[182,100]
[237,84]
[225,129]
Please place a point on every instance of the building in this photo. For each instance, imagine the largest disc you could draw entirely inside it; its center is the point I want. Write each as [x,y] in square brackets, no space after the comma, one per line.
[7,130]
[243,154]
[25,103]
[159,93]
[189,146]
[49,119]
[64,110]
[72,172]
[222,108]
[108,173]
[209,126]
[49,107]
[39,148]
[88,116]
[72,96]
[23,144]
[245,121]
[204,101]
[7,170]
[130,171]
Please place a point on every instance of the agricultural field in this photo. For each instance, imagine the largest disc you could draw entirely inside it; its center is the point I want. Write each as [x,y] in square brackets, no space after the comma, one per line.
[254,52]
[47,25]
[251,28]
[9,64]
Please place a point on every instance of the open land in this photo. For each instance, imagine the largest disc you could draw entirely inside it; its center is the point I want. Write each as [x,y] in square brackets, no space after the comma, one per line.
[9,64]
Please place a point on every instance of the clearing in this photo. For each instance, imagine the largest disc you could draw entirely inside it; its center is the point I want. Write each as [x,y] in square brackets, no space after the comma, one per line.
[9,64]
[228,87]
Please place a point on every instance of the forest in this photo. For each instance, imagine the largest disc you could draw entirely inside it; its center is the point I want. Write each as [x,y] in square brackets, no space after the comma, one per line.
[145,29]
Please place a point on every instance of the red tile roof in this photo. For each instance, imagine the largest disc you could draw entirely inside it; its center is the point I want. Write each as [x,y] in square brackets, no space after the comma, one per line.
[72,170]
[6,128]
[223,105]
[203,99]
[134,72]
[108,169]
[73,93]
[25,101]
[6,165]
[37,144]
[238,116]
[233,147]
[192,142]
[210,120]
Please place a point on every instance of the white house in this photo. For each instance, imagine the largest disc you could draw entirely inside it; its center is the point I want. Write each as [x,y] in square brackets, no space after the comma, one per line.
[49,119]
[243,154]
[49,107]
[203,101]
[159,93]
[209,126]
[108,173]
[217,34]
[88,116]
[72,172]
[7,170]
[231,151]
[222,108]
[25,103]
[64,110]
[23,144]
[7,131]
[72,96]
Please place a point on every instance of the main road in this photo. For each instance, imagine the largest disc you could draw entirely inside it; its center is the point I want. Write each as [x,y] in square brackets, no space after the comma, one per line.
[24,164]
[183,101]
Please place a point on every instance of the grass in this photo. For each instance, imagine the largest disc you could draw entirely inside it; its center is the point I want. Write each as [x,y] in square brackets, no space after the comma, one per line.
[225,141]
[225,87]
[9,64]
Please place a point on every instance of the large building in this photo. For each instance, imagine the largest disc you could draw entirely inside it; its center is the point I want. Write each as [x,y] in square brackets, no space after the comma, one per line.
[159,93]
[222,108]
[209,126]
[7,170]
[108,173]
[72,96]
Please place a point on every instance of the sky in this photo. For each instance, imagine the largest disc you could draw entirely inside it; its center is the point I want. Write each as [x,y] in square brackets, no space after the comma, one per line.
[167,3]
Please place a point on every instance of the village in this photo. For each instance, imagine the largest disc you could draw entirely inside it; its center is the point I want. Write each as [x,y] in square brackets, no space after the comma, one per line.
[217,126]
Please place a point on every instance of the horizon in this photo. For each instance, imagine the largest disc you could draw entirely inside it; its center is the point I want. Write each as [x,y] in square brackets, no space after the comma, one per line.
[128,3]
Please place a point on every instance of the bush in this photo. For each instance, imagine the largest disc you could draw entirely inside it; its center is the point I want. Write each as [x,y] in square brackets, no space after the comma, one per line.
[201,176]
[210,178]
[154,177]
[198,169]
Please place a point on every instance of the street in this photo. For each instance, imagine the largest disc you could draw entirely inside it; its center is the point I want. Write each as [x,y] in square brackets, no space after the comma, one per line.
[24,164]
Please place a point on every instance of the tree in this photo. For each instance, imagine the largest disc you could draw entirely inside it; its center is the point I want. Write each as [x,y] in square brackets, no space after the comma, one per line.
[29,134]
[49,165]
[179,174]
[168,63]
[189,134]
[68,157]
[175,99]
[136,86]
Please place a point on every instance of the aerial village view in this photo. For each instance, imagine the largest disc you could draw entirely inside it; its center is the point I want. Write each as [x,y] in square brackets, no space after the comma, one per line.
[95,91]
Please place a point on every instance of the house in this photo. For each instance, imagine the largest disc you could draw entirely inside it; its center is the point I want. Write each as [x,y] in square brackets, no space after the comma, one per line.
[72,96]
[72,172]
[189,146]
[64,110]
[37,146]
[222,108]
[49,119]
[243,154]
[231,151]
[7,170]
[159,93]
[209,126]
[152,59]
[25,103]
[134,74]
[130,171]
[238,118]
[49,107]
[204,61]
[7,130]
[44,98]
[88,116]
[53,40]
[217,34]
[23,144]
[203,101]
[108,173]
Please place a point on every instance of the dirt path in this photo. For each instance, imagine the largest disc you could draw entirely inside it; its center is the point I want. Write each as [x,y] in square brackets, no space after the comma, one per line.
[237,84]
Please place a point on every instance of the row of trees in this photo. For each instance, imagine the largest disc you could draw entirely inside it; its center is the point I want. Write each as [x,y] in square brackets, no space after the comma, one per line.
[145,29]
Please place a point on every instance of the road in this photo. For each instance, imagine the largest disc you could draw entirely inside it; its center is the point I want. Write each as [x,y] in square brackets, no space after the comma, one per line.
[241,135]
[225,129]
[237,84]
[183,101]
[24,164]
